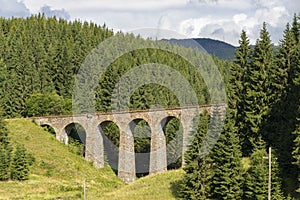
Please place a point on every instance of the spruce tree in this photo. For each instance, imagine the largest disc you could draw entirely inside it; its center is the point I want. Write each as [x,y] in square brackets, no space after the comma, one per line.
[237,82]
[4,163]
[295,96]
[198,169]
[257,96]
[20,164]
[295,28]
[5,151]
[296,153]
[227,166]
[281,120]
[242,61]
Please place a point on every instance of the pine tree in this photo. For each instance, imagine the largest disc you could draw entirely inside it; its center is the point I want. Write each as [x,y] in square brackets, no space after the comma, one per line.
[197,179]
[20,164]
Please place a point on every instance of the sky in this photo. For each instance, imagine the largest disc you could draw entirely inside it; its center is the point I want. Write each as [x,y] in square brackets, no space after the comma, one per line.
[217,19]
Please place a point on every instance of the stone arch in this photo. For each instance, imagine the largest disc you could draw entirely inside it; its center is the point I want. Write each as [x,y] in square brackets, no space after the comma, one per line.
[173,130]
[141,132]
[49,128]
[111,143]
[75,134]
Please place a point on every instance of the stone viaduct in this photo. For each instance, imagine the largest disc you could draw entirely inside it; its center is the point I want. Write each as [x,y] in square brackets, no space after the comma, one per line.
[156,119]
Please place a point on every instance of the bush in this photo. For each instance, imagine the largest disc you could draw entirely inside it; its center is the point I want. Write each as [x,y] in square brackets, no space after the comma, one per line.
[47,104]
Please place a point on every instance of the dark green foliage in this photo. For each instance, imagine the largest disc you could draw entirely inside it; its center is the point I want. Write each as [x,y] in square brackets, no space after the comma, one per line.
[237,88]
[256,178]
[227,180]
[20,164]
[281,121]
[258,94]
[47,104]
[237,81]
[5,152]
[149,95]
[142,143]
[217,175]
[4,163]
[174,137]
[41,56]
[296,153]
[196,182]
[76,138]
[75,146]
[111,140]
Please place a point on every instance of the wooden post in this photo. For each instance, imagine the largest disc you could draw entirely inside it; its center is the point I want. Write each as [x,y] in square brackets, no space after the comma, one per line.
[270,169]
[84,190]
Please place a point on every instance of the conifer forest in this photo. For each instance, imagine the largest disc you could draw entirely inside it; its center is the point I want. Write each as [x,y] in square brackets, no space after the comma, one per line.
[40,58]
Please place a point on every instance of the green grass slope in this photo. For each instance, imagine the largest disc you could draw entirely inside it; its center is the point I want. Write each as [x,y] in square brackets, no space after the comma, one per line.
[59,174]
[56,173]
[152,187]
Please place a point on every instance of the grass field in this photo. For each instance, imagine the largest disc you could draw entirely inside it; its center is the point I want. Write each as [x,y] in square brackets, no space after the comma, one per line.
[59,174]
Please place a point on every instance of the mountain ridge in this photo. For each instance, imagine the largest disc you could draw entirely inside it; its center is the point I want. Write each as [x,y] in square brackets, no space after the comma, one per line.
[220,49]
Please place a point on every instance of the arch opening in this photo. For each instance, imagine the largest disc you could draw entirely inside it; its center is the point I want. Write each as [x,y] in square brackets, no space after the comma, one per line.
[142,144]
[173,131]
[48,128]
[76,138]
[111,139]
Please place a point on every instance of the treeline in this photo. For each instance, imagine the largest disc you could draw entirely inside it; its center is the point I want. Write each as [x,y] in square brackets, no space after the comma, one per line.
[40,56]
[263,111]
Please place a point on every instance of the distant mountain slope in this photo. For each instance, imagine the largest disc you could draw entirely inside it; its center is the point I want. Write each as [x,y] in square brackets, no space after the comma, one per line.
[218,48]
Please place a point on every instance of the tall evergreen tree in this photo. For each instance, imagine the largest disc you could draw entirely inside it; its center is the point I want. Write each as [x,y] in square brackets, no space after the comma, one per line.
[242,61]
[237,82]
[295,98]
[227,163]
[281,120]
[20,164]
[296,153]
[197,179]
[258,96]
[295,28]
[5,151]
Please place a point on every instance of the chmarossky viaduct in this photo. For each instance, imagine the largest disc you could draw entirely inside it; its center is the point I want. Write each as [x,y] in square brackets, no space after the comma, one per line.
[156,119]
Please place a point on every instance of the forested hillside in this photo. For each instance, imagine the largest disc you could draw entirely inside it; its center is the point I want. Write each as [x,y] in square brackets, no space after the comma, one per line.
[263,111]
[40,59]
[41,56]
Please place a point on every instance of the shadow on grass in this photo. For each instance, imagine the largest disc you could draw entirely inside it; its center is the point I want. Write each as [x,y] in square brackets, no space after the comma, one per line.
[176,189]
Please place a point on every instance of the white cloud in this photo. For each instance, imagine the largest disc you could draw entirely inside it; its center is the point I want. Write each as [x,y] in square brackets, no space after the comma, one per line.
[13,8]
[226,19]
[219,19]
[49,12]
